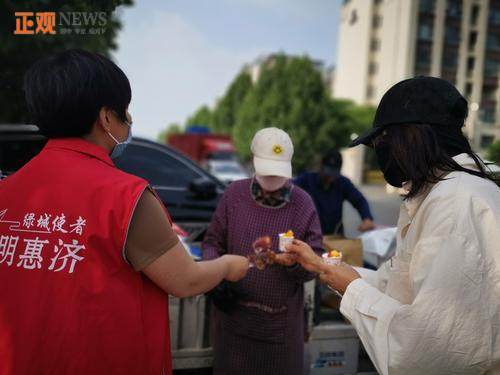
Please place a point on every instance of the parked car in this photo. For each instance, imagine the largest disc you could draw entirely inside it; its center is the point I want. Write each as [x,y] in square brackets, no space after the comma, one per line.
[227,171]
[189,192]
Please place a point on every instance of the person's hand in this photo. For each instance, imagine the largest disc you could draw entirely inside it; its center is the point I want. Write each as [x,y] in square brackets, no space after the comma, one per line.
[366,225]
[285,259]
[305,255]
[338,277]
[236,267]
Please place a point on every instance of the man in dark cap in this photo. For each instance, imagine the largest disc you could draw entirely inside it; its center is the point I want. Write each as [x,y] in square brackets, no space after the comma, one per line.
[433,308]
[329,189]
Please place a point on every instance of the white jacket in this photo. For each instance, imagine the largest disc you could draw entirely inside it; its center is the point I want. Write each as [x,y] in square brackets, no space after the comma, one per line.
[434,308]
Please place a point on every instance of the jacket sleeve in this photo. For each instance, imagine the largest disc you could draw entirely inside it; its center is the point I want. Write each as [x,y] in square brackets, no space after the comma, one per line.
[358,201]
[445,329]
[215,242]
[378,278]
[300,181]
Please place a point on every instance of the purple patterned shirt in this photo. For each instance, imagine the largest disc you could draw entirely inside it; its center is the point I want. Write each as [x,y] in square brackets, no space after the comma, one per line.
[253,331]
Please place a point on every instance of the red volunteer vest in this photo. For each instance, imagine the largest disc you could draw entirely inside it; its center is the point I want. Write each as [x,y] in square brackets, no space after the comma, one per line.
[69,302]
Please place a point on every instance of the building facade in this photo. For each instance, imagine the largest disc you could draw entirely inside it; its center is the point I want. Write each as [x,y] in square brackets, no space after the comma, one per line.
[385,41]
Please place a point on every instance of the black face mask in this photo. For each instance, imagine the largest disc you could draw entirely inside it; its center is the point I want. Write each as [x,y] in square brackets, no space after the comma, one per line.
[392,172]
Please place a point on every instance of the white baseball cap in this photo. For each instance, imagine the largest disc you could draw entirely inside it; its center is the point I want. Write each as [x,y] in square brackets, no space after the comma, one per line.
[272,151]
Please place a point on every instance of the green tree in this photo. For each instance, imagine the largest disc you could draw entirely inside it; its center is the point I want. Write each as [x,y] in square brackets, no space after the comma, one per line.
[172,128]
[226,111]
[290,94]
[493,152]
[18,52]
[202,117]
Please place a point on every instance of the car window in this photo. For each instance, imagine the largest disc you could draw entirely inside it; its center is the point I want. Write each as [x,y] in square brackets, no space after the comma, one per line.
[157,167]
[16,151]
[221,156]
[228,169]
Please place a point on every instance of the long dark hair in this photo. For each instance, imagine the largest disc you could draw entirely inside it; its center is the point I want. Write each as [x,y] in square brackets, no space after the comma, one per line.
[416,150]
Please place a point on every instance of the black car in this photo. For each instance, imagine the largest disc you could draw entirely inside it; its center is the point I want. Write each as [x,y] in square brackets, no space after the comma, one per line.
[189,192]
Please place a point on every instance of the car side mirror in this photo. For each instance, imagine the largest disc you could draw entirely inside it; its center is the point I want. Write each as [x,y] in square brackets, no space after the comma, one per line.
[203,188]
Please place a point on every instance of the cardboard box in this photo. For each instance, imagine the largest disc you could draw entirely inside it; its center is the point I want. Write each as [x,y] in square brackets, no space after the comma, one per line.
[352,249]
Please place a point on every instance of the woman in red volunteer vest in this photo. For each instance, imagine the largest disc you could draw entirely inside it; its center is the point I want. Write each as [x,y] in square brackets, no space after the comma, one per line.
[87,252]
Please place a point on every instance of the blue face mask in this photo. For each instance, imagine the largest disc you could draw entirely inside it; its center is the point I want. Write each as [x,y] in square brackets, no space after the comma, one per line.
[120,146]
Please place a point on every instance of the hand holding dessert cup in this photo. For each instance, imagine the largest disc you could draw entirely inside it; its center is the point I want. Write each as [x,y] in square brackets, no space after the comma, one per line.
[337,277]
[285,239]
[332,258]
[263,255]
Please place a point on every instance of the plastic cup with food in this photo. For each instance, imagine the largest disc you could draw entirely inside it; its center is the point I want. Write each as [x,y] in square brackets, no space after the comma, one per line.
[285,239]
[333,258]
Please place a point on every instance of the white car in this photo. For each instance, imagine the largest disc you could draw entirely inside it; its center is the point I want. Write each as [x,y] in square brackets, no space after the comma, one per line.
[227,171]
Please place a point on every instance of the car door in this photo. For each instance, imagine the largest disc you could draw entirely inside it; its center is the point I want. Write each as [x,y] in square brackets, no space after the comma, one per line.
[170,175]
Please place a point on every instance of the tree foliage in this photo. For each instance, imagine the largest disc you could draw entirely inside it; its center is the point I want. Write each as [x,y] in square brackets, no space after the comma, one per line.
[493,152]
[202,117]
[19,52]
[172,128]
[290,94]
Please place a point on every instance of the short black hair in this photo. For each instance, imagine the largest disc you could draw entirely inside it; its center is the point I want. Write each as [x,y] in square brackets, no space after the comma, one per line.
[333,159]
[65,92]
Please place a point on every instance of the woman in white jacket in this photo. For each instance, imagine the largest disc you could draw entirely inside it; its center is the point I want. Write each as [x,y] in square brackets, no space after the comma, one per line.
[434,308]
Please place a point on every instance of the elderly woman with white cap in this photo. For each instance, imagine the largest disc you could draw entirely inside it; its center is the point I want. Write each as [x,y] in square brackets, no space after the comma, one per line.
[259,321]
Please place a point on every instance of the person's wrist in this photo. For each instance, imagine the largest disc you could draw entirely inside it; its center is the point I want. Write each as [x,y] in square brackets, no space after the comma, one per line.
[317,264]
[225,264]
[347,285]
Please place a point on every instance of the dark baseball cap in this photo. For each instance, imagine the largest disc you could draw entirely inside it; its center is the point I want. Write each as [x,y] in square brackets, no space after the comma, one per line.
[419,100]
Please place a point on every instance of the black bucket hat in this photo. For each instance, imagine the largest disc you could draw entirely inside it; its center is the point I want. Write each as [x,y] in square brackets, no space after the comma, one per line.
[419,100]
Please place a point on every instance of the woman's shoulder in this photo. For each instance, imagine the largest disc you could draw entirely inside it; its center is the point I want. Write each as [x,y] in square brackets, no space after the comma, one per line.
[460,199]
[301,197]
[465,186]
[237,187]
[116,179]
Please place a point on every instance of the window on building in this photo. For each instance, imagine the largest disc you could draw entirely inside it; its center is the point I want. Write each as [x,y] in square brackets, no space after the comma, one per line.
[494,16]
[474,15]
[489,94]
[426,6]
[423,55]
[454,8]
[491,67]
[377,20]
[470,65]
[372,68]
[424,31]
[472,40]
[354,17]
[375,45]
[493,41]
[468,90]
[452,35]
[487,140]
[370,92]
[487,115]
[450,59]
